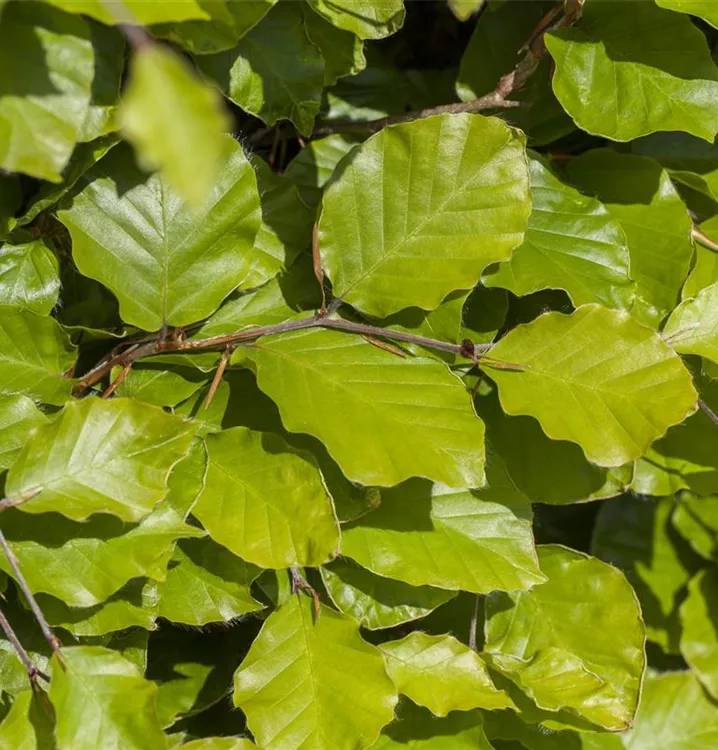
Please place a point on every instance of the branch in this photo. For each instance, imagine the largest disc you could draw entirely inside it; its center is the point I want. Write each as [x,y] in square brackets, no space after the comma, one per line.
[466,349]
[711,414]
[703,239]
[32,671]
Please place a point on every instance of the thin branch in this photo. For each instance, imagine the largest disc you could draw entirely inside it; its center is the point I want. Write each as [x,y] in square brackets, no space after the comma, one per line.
[711,414]
[318,270]
[50,637]
[32,671]
[474,624]
[118,380]
[217,379]
[703,239]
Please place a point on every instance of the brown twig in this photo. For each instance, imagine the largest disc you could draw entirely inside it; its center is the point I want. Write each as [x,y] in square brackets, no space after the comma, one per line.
[116,382]
[217,379]
[703,239]
[318,270]
[32,671]
[299,583]
[707,410]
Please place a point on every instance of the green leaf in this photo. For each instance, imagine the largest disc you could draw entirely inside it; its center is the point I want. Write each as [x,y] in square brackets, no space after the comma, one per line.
[699,639]
[417,729]
[368,19]
[18,418]
[84,564]
[100,697]
[412,417]
[702,8]
[658,228]
[427,534]
[165,263]
[411,219]
[696,519]
[624,385]
[464,9]
[620,54]
[139,11]
[704,273]
[156,385]
[276,514]
[45,100]
[313,683]
[175,121]
[376,602]
[219,743]
[274,72]
[11,200]
[693,325]
[100,457]
[636,536]
[442,674]
[206,583]
[564,646]
[547,471]
[675,714]
[343,52]
[36,370]
[572,243]
[29,723]
[29,276]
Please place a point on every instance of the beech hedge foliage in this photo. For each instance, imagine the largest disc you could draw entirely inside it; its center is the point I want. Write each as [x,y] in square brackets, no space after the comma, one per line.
[359,374]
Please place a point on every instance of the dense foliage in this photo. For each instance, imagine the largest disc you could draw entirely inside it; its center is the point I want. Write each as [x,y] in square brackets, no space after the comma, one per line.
[359,374]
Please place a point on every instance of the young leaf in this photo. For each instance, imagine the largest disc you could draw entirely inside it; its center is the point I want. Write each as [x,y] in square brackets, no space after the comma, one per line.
[100,457]
[18,418]
[265,501]
[29,723]
[101,699]
[43,101]
[427,534]
[411,219]
[376,602]
[382,418]
[206,583]
[442,674]
[274,72]
[620,54]
[368,19]
[29,276]
[34,354]
[658,228]
[572,243]
[315,683]
[693,325]
[675,714]
[597,378]
[175,121]
[699,639]
[165,263]
[564,646]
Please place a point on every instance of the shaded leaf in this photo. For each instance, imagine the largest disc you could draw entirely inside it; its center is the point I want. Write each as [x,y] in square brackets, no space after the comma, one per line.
[18,418]
[29,276]
[343,52]
[564,647]
[163,261]
[175,122]
[410,220]
[265,501]
[620,54]
[100,698]
[323,383]
[29,723]
[313,683]
[206,583]
[427,534]
[376,602]
[100,457]
[624,384]
[442,674]
[37,370]
[675,714]
[699,639]
[44,101]
[220,743]
[641,196]
[368,19]
[696,519]
[636,536]
[274,72]
[572,243]
[703,8]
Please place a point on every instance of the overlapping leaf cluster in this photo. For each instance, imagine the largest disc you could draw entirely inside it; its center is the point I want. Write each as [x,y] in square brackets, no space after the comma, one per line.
[257,521]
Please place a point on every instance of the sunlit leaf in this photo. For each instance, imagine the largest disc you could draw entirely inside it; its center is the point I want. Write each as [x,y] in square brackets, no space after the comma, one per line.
[693,325]
[29,276]
[625,386]
[175,121]
[124,11]
[368,19]
[166,263]
[702,8]
[29,723]
[442,674]
[382,418]
[410,219]
[313,682]
[19,417]
[564,646]
[620,54]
